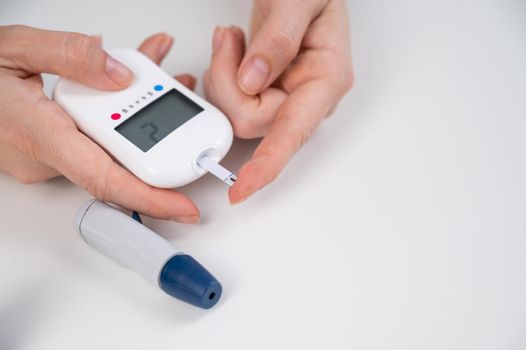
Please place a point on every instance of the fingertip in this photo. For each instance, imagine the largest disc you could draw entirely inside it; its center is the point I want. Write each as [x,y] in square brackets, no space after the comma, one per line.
[183,208]
[187,80]
[165,46]
[158,203]
[236,196]
[253,176]
[156,47]
[238,32]
[228,46]
[220,80]
[187,219]
[242,189]
[217,39]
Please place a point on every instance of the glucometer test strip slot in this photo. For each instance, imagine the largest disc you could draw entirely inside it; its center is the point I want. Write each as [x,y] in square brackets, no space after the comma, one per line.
[217,170]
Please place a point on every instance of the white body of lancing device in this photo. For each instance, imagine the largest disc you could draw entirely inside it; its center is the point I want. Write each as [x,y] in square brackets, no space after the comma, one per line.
[157,128]
[132,245]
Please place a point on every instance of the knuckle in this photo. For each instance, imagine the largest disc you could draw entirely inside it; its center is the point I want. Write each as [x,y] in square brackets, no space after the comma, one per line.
[13,29]
[285,42]
[97,183]
[12,38]
[27,142]
[341,77]
[41,147]
[299,133]
[246,128]
[78,48]
[33,150]
[98,188]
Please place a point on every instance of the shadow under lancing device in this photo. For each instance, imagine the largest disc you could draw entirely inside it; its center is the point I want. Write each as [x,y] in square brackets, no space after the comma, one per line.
[131,244]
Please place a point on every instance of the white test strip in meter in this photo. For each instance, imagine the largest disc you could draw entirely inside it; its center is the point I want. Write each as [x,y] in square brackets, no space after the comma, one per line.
[217,170]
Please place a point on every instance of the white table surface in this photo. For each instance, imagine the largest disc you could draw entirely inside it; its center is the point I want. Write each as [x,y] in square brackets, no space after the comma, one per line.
[400,225]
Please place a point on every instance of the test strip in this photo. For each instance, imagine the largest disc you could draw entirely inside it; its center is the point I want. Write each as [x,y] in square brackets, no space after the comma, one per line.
[217,170]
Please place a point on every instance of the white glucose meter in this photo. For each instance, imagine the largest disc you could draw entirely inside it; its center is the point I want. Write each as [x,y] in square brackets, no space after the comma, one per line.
[157,128]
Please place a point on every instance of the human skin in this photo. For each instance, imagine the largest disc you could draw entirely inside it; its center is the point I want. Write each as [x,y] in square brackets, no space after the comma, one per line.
[39,140]
[296,68]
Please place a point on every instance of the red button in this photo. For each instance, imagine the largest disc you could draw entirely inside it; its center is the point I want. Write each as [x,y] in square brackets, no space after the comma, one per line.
[115,116]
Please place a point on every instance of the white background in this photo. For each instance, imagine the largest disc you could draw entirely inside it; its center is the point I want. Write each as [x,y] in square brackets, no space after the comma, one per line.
[400,225]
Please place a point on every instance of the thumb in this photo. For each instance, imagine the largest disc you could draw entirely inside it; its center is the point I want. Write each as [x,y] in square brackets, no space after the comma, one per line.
[71,55]
[275,44]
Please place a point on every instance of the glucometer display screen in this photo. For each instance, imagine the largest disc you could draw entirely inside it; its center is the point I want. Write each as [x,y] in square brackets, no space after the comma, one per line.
[155,121]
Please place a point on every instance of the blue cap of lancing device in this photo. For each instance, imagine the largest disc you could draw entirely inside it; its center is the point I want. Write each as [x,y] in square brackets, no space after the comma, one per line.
[184,278]
[128,242]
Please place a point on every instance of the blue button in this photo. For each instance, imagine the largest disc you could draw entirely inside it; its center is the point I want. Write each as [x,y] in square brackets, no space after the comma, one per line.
[158,87]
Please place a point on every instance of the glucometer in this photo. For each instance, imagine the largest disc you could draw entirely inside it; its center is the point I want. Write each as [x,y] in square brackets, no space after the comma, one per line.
[157,128]
[129,243]
[167,136]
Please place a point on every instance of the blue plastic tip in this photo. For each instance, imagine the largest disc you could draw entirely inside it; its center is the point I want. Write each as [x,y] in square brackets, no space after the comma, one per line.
[135,216]
[184,278]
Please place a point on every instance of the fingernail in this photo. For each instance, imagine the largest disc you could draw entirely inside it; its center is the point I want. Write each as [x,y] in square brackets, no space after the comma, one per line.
[255,75]
[187,219]
[118,72]
[219,34]
[165,45]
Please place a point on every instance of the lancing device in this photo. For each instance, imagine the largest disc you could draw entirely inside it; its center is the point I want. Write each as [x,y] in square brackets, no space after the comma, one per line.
[128,242]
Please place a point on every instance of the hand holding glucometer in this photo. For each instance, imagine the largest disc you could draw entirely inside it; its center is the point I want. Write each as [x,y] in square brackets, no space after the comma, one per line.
[39,140]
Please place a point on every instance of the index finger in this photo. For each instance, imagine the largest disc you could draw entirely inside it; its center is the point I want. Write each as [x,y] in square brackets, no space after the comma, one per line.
[297,119]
